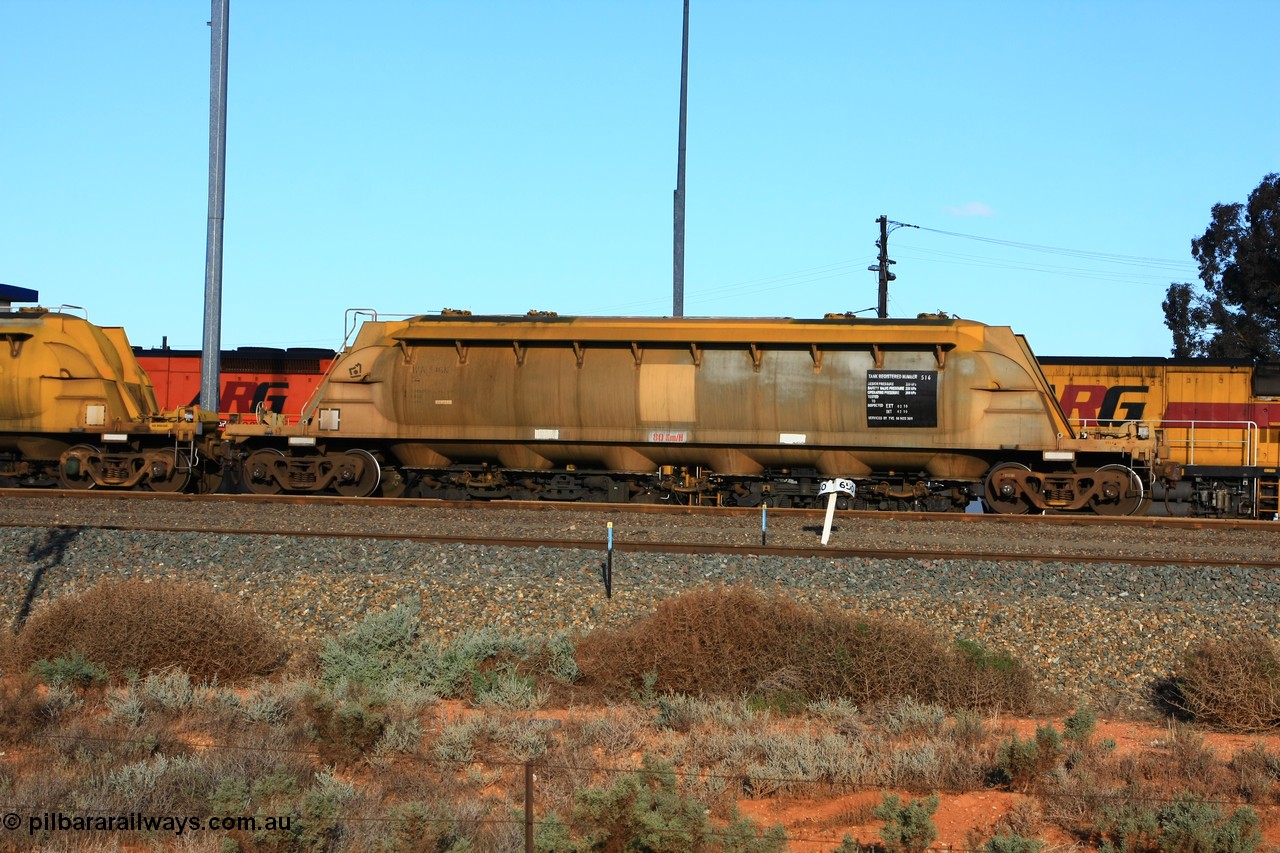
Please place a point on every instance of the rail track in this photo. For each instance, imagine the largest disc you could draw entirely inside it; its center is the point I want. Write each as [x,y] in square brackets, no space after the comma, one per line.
[671,530]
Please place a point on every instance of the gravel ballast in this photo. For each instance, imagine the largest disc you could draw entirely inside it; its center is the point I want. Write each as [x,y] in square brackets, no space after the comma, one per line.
[1099,631]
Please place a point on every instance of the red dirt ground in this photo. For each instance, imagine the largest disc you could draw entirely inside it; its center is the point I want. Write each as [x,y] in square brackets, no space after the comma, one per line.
[817,826]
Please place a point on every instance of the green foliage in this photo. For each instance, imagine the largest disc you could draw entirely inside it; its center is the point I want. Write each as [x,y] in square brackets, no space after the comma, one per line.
[848,845]
[72,670]
[322,805]
[742,835]
[126,708]
[386,653]
[456,742]
[680,713]
[647,695]
[552,836]
[782,701]
[417,826]
[643,810]
[400,736]
[381,648]
[1189,826]
[1236,311]
[172,691]
[562,664]
[230,796]
[908,828]
[1080,726]
[1184,826]
[504,687]
[968,728]
[345,726]
[1012,844]
[647,811]
[984,658]
[1022,762]
[908,716]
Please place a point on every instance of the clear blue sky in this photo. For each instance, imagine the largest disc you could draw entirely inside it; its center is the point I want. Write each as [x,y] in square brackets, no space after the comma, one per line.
[503,156]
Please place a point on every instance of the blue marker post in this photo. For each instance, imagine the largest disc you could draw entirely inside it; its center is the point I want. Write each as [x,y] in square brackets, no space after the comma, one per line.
[607,568]
[764,524]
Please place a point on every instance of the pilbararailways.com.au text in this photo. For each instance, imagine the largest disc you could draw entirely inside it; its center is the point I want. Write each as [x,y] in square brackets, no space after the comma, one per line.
[139,822]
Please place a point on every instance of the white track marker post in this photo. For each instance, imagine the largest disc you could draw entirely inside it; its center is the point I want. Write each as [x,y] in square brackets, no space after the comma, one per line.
[608,566]
[832,489]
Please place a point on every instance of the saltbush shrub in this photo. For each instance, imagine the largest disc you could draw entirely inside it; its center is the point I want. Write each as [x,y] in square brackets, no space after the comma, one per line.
[71,671]
[1184,825]
[646,810]
[909,826]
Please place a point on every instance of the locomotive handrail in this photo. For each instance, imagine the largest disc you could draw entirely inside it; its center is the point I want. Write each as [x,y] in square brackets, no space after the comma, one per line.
[1248,444]
[350,321]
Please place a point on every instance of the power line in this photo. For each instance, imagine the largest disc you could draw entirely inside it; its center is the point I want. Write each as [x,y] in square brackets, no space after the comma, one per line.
[1078,253]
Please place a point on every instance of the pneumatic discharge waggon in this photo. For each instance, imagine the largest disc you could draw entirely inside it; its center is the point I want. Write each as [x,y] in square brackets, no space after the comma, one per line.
[925,414]
[77,411]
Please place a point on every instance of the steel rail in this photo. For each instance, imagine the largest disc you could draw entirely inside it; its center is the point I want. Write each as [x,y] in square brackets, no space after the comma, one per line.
[702,548]
[1067,519]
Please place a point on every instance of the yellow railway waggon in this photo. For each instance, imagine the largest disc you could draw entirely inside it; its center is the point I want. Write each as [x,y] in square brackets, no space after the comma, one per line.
[1220,419]
[926,414]
[76,410]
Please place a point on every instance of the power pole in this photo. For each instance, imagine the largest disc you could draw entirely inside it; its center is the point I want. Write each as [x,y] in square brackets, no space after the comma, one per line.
[677,283]
[211,350]
[882,268]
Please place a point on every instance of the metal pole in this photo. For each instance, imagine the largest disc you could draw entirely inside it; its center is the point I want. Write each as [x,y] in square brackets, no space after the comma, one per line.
[212,347]
[607,568]
[528,807]
[677,298]
[882,303]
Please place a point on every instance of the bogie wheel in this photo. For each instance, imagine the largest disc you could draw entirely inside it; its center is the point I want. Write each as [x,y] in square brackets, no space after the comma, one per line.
[393,483]
[73,470]
[1123,493]
[1003,493]
[257,473]
[169,471]
[358,474]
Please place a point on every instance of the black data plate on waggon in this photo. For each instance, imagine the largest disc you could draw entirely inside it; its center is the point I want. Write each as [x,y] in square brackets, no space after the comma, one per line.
[902,398]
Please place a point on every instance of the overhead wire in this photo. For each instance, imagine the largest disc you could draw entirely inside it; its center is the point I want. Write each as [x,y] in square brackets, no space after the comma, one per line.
[1078,253]
[1132,269]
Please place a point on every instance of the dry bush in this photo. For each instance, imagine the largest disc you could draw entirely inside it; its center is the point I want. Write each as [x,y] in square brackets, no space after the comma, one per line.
[145,627]
[732,641]
[1232,683]
[24,708]
[1257,771]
